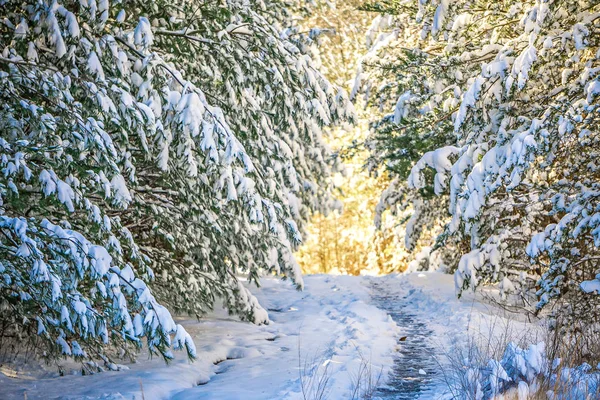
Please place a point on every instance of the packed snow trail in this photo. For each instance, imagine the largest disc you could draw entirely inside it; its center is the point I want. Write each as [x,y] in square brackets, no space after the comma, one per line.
[415,366]
[338,321]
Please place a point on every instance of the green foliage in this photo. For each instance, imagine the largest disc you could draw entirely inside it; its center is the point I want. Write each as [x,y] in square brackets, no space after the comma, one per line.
[177,144]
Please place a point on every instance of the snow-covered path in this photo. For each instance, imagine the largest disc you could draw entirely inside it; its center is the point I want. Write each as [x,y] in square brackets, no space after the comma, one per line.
[330,330]
[316,333]
[415,367]
[325,330]
[438,327]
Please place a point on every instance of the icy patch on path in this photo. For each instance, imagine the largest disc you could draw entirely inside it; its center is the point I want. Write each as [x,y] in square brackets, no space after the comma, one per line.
[415,366]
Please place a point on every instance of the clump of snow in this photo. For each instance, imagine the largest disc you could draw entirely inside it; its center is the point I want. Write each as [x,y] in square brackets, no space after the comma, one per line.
[440,161]
[401,110]
[142,35]
[469,99]
[121,195]
[522,65]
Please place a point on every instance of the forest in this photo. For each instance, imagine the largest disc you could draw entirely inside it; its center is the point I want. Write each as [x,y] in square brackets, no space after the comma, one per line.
[299,199]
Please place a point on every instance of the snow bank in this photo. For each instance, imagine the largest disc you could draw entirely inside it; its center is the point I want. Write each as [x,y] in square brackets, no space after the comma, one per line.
[329,323]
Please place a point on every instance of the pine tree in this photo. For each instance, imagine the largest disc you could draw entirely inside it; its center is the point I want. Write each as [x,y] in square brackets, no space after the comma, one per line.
[397,79]
[167,145]
[506,95]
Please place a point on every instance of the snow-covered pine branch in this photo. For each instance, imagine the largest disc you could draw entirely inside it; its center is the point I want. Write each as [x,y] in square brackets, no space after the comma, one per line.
[150,149]
[513,87]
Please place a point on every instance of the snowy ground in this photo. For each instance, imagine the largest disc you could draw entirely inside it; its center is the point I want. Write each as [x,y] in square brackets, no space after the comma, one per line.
[333,326]
[452,326]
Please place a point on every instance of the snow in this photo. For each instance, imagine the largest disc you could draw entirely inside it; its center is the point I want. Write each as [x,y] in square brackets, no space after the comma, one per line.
[461,21]
[94,65]
[241,29]
[100,260]
[121,194]
[439,160]
[523,64]
[66,195]
[580,31]
[142,35]
[121,16]
[71,20]
[32,52]
[591,286]
[400,110]
[56,37]
[593,89]
[330,323]
[334,316]
[21,29]
[440,15]
[468,100]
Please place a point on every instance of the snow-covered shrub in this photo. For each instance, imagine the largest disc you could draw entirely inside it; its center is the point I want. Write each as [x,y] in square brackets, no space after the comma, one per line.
[523,373]
[495,104]
[150,143]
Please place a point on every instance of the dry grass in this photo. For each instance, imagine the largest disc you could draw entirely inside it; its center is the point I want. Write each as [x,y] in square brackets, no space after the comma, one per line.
[315,377]
[366,381]
[489,343]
